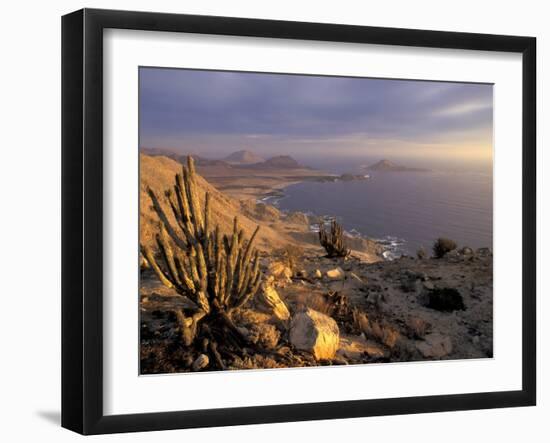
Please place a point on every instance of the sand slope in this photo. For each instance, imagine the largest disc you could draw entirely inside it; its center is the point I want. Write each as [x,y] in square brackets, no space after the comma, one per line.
[158,173]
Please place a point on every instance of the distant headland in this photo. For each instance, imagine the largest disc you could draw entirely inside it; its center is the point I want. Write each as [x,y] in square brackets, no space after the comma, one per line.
[388,166]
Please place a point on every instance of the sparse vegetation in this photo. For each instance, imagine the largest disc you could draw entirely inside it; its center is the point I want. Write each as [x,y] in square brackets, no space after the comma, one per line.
[443,246]
[380,331]
[291,256]
[421,254]
[219,273]
[333,241]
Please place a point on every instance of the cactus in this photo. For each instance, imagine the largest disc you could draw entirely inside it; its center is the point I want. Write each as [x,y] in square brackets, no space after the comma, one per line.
[219,273]
[333,242]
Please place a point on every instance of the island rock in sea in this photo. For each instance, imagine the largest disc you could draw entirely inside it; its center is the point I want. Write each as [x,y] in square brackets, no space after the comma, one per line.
[388,166]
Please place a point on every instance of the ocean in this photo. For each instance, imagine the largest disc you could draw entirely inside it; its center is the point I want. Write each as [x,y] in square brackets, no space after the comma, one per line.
[404,210]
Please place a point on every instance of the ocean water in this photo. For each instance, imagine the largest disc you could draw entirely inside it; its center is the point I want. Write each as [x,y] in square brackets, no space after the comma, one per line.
[405,210]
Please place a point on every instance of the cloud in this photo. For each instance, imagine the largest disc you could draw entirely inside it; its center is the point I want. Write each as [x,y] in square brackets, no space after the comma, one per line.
[182,105]
[456,110]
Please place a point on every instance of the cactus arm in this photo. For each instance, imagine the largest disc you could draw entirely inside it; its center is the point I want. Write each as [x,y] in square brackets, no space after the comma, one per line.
[153,262]
[189,179]
[162,216]
[168,255]
[183,204]
[206,216]
[187,282]
[201,267]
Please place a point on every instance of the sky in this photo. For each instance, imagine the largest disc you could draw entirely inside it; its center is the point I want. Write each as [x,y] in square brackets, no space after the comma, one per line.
[214,113]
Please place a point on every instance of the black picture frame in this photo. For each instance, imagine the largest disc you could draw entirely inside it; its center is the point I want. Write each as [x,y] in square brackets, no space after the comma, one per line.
[82,219]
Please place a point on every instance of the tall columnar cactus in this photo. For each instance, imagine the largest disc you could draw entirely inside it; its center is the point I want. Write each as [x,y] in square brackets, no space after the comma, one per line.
[218,272]
[333,241]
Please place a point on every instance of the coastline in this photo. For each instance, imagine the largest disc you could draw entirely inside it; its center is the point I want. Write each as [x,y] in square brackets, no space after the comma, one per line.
[267,186]
[389,246]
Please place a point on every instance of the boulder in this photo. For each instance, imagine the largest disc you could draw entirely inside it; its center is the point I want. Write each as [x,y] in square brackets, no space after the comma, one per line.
[315,332]
[318,274]
[201,362]
[269,300]
[302,273]
[435,346]
[279,270]
[418,327]
[484,252]
[428,285]
[335,274]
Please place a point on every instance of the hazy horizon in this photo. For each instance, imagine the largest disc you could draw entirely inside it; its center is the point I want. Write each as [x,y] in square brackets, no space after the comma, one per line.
[316,118]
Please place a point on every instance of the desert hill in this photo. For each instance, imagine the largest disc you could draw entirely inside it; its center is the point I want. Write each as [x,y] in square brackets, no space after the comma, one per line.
[243,157]
[181,158]
[279,162]
[158,172]
[276,229]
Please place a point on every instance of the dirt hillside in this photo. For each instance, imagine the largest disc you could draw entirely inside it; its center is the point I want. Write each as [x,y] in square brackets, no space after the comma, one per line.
[158,173]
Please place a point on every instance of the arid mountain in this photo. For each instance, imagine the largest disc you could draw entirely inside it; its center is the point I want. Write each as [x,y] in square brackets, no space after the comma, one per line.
[279,162]
[388,166]
[199,161]
[158,173]
[243,158]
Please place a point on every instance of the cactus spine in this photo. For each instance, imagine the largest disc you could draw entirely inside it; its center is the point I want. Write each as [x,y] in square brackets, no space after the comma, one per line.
[218,272]
[333,241]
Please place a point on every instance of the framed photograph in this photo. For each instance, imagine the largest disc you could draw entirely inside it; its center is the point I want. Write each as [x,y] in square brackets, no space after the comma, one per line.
[268,221]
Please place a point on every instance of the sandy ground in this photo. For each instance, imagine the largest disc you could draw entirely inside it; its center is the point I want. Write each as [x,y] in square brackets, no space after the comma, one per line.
[247,182]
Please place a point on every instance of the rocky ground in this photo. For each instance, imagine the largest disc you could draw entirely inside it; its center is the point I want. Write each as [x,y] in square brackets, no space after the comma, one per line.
[313,310]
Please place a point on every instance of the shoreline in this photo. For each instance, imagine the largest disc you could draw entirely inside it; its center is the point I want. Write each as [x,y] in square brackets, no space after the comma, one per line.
[390,244]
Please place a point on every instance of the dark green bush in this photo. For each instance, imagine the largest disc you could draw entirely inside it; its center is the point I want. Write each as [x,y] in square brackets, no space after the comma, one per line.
[445,300]
[442,246]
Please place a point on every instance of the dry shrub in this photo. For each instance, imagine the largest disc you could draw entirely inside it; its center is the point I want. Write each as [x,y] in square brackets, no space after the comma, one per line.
[317,302]
[255,362]
[442,246]
[391,336]
[360,321]
[379,331]
[266,335]
[445,300]
[291,256]
[421,253]
[417,327]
